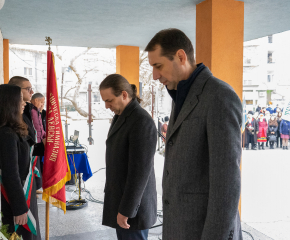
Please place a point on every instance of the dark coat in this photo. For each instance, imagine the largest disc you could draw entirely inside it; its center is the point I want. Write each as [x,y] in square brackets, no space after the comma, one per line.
[201,179]
[284,127]
[130,179]
[43,117]
[14,163]
[272,128]
[250,132]
[38,147]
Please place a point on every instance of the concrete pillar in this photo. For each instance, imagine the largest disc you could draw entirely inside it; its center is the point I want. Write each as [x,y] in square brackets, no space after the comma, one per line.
[127,63]
[219,40]
[6,60]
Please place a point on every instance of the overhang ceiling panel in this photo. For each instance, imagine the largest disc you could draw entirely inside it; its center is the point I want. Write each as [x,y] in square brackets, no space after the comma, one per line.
[97,23]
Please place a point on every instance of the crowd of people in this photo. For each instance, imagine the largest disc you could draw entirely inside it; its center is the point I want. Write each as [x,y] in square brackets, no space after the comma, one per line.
[266,127]
[22,137]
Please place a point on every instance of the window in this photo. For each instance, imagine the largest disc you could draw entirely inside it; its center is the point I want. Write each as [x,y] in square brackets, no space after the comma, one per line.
[27,71]
[270,77]
[270,57]
[247,82]
[249,102]
[96,97]
[270,39]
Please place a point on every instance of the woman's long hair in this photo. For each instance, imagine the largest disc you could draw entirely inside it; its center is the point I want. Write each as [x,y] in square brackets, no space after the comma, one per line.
[10,105]
[273,122]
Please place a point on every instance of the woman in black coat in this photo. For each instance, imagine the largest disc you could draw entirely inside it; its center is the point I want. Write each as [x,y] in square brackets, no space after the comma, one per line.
[15,164]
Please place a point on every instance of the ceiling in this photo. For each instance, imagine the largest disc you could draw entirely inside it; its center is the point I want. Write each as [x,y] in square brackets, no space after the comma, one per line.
[106,24]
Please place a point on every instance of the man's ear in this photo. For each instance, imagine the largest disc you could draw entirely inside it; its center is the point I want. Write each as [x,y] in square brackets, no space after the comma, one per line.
[124,95]
[181,55]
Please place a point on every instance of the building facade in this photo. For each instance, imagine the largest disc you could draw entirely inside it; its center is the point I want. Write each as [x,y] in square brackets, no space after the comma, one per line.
[265,73]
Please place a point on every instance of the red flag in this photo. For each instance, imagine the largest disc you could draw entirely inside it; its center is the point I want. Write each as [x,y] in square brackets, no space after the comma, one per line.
[56,171]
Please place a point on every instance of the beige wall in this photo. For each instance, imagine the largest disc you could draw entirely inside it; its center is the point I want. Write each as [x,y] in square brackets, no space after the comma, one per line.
[1,59]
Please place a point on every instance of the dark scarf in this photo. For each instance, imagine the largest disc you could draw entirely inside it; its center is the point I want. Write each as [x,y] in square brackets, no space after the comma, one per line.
[183,88]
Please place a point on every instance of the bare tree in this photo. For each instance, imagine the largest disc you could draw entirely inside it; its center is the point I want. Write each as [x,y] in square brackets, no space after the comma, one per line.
[146,78]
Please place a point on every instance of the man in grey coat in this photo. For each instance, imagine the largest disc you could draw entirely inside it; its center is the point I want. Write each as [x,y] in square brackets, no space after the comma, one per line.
[130,203]
[201,178]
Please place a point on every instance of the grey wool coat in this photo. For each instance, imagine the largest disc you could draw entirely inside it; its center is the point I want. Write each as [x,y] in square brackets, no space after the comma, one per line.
[201,179]
[130,179]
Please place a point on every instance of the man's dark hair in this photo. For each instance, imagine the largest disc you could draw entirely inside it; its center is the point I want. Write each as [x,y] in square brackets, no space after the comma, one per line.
[17,81]
[10,105]
[37,95]
[118,84]
[171,40]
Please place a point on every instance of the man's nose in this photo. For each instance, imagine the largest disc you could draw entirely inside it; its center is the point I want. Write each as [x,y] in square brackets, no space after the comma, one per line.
[106,105]
[156,74]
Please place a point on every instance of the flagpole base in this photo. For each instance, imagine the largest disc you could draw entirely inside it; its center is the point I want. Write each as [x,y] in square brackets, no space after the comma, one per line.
[76,204]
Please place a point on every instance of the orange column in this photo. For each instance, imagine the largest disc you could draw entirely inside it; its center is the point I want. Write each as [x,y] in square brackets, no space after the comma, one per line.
[6,60]
[219,40]
[127,63]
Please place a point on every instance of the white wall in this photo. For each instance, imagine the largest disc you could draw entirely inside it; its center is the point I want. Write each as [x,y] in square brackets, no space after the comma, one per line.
[1,59]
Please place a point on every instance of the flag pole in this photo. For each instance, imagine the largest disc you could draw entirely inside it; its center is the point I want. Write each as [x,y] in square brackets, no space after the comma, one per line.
[49,41]
[47,222]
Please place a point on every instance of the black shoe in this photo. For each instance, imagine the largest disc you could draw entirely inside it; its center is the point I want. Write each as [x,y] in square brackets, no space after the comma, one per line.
[283,148]
[286,148]
[280,146]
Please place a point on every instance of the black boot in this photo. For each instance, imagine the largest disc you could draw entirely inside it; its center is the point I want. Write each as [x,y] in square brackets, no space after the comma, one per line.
[259,147]
[286,148]
[283,148]
[263,146]
[280,142]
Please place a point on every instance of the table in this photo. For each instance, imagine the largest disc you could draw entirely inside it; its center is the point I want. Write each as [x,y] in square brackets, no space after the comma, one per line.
[81,164]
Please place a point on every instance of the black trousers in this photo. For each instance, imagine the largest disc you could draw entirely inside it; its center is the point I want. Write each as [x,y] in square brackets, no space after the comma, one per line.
[127,234]
[250,139]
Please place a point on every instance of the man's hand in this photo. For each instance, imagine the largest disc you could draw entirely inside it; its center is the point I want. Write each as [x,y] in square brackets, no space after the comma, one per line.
[122,221]
[44,141]
[21,220]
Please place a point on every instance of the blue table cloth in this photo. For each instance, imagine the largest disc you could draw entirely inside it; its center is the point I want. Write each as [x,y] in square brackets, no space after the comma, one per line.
[81,163]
